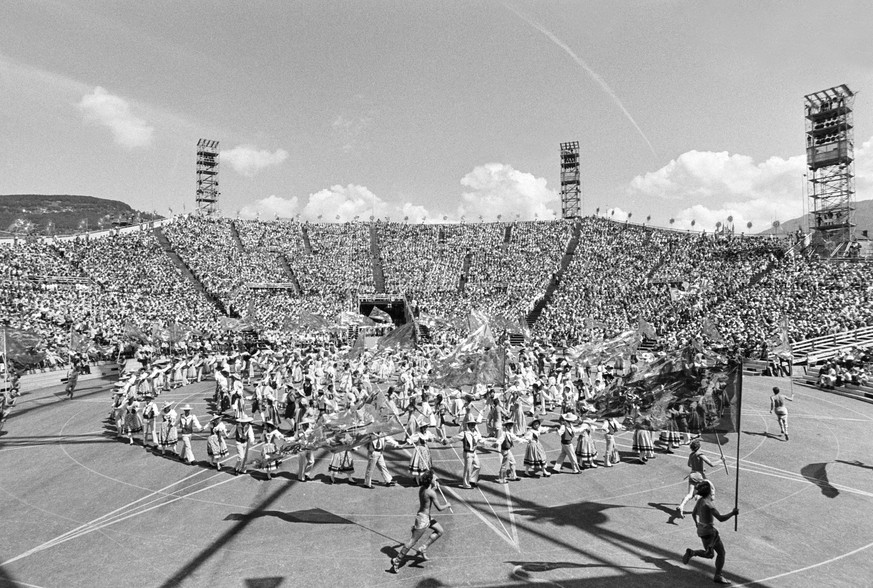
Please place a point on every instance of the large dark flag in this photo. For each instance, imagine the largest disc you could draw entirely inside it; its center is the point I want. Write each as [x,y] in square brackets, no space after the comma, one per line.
[379,315]
[313,321]
[348,317]
[134,333]
[402,337]
[353,427]
[21,348]
[712,331]
[79,343]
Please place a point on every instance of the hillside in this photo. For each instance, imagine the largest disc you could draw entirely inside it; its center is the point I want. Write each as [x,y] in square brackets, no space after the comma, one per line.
[863,220]
[63,213]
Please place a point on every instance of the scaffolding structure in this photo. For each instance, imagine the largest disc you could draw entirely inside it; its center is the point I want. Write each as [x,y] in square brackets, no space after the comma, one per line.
[830,159]
[571,192]
[207,176]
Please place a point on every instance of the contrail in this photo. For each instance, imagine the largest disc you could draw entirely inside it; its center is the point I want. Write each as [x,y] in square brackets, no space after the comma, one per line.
[591,73]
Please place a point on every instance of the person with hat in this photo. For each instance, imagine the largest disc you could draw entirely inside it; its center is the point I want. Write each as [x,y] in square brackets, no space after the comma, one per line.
[611,456]
[440,410]
[270,449]
[305,457]
[237,396]
[76,363]
[469,416]
[222,384]
[535,456]
[245,438]
[376,460]
[470,440]
[506,439]
[496,415]
[341,462]
[188,425]
[169,433]
[149,414]
[118,413]
[586,450]
[697,461]
[133,422]
[566,430]
[643,439]
[777,405]
[216,446]
[704,515]
[421,461]
[516,413]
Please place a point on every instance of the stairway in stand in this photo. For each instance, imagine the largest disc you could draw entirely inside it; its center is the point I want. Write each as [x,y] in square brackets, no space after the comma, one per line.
[236,240]
[186,271]
[375,254]
[307,246]
[465,272]
[283,261]
[534,314]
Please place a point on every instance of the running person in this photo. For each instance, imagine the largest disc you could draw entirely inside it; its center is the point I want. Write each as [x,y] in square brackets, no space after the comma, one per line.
[697,462]
[704,514]
[427,498]
[777,404]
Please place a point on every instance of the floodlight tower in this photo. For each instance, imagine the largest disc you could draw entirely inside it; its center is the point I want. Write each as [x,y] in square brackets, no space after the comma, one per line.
[207,176]
[830,157]
[571,193]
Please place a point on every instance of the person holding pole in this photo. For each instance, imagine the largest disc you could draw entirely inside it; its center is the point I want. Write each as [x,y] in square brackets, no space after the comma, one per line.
[697,461]
[704,514]
[73,377]
[427,498]
[777,405]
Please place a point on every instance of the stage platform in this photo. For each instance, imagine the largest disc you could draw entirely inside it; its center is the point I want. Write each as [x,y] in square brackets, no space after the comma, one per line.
[81,508]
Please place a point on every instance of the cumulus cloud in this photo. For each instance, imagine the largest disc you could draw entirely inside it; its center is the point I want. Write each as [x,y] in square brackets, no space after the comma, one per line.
[499,189]
[708,187]
[272,206]
[114,113]
[336,204]
[716,185]
[490,190]
[248,160]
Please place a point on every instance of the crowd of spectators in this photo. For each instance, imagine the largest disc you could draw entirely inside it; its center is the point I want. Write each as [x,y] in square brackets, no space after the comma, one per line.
[853,366]
[500,268]
[274,272]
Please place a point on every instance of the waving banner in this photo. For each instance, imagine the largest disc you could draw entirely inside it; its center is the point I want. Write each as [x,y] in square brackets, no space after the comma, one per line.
[350,428]
[21,348]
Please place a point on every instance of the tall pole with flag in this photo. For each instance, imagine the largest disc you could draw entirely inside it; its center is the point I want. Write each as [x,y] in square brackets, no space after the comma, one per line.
[739,418]
[5,364]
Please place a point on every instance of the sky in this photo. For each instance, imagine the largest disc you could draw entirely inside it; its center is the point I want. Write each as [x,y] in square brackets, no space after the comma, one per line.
[455,110]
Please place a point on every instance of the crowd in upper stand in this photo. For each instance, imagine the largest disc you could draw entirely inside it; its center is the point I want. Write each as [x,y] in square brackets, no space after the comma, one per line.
[503,277]
[121,280]
[619,274]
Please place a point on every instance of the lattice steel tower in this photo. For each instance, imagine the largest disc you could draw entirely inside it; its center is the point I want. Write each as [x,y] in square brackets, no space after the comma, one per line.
[830,159]
[571,193]
[207,176]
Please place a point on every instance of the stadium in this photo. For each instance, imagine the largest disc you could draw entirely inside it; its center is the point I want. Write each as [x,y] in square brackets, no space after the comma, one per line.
[573,395]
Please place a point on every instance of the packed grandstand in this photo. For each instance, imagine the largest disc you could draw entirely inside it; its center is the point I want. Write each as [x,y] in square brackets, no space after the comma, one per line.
[571,281]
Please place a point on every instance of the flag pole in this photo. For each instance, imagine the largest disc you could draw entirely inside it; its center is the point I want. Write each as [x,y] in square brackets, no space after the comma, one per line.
[739,418]
[5,366]
[721,451]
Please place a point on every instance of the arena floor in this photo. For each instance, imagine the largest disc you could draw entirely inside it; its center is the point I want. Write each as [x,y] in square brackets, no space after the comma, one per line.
[82,509]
